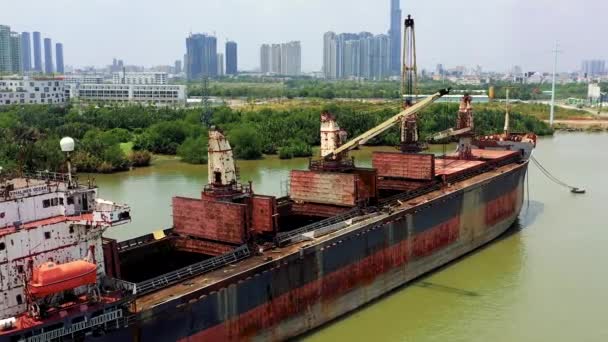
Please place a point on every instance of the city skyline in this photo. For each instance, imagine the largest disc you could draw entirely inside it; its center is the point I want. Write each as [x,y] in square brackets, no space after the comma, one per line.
[441,36]
[16,53]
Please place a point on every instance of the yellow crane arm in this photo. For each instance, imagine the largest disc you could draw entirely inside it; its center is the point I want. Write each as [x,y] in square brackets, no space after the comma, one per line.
[364,137]
[450,132]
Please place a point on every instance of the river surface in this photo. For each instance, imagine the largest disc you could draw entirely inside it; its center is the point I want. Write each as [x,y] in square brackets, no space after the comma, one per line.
[547,280]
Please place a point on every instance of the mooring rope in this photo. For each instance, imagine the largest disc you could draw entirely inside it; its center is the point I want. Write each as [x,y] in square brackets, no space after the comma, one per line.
[551,176]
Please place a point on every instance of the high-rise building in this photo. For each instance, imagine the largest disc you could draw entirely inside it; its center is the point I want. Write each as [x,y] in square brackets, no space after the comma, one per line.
[395,38]
[593,67]
[352,55]
[26,51]
[231,58]
[59,57]
[220,64]
[16,55]
[265,58]
[329,55]
[178,66]
[439,70]
[5,49]
[275,58]
[281,59]
[381,48]
[37,52]
[291,58]
[48,56]
[202,56]
[10,51]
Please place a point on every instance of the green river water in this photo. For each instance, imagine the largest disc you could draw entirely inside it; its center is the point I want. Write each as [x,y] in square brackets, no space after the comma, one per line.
[545,281]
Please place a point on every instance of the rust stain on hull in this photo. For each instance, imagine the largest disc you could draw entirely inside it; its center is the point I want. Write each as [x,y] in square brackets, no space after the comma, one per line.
[384,268]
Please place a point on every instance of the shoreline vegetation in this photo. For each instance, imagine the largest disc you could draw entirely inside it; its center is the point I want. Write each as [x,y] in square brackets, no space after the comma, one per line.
[117,138]
[307,87]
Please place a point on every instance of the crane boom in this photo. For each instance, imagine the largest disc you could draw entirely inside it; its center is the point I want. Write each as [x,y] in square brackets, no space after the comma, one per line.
[450,132]
[363,138]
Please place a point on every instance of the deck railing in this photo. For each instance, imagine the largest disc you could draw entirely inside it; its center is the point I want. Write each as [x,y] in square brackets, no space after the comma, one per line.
[191,271]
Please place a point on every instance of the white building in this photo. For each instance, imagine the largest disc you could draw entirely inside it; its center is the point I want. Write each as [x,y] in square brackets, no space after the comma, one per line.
[26,90]
[83,78]
[174,95]
[150,77]
[220,64]
[594,92]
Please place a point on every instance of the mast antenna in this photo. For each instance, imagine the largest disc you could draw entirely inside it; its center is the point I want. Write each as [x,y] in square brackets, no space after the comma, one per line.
[551,114]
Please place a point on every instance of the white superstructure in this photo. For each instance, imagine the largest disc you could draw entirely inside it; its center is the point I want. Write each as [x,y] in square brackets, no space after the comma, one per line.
[44,218]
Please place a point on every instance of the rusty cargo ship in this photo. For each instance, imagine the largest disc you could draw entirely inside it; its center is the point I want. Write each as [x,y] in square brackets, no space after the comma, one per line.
[237,265]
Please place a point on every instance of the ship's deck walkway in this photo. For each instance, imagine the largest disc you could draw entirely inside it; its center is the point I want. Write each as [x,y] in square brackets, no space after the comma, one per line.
[221,277]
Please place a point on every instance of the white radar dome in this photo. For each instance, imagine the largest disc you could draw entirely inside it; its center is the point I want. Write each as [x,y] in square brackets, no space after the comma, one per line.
[67,144]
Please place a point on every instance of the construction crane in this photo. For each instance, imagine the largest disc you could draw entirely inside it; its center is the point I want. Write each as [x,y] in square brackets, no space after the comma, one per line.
[338,152]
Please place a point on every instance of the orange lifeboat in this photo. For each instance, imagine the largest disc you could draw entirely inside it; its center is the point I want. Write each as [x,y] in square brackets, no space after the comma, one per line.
[50,278]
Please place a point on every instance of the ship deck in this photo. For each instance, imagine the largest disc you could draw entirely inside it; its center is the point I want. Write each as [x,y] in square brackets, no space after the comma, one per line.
[47,221]
[232,273]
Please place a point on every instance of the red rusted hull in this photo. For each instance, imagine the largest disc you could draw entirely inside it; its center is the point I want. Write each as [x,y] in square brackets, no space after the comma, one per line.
[315,283]
[320,282]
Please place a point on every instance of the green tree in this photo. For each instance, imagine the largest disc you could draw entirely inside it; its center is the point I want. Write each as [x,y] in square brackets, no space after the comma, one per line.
[246,143]
[193,150]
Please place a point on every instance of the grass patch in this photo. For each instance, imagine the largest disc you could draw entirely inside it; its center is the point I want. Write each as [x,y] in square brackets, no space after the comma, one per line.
[126,147]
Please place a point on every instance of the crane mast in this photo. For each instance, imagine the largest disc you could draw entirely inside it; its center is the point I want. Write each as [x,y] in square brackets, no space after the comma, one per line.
[409,82]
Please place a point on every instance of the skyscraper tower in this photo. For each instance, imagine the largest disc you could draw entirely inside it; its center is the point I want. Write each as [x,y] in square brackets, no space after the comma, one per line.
[395,37]
[231,58]
[201,50]
[59,57]
[16,53]
[329,55]
[37,52]
[26,51]
[5,49]
[265,58]
[48,56]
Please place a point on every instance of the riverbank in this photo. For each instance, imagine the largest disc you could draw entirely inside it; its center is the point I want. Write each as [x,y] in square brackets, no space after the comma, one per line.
[582,125]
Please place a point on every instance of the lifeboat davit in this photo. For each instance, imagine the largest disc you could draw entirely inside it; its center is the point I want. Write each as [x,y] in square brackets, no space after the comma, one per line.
[50,278]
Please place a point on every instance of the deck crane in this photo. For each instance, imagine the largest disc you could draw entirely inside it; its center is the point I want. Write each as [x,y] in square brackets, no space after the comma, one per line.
[464,122]
[409,89]
[463,129]
[339,151]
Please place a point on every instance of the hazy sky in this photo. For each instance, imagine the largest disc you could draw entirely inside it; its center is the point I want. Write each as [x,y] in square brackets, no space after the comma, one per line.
[495,34]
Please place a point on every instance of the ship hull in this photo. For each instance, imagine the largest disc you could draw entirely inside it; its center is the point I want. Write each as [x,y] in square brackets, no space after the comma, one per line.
[319,282]
[322,282]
